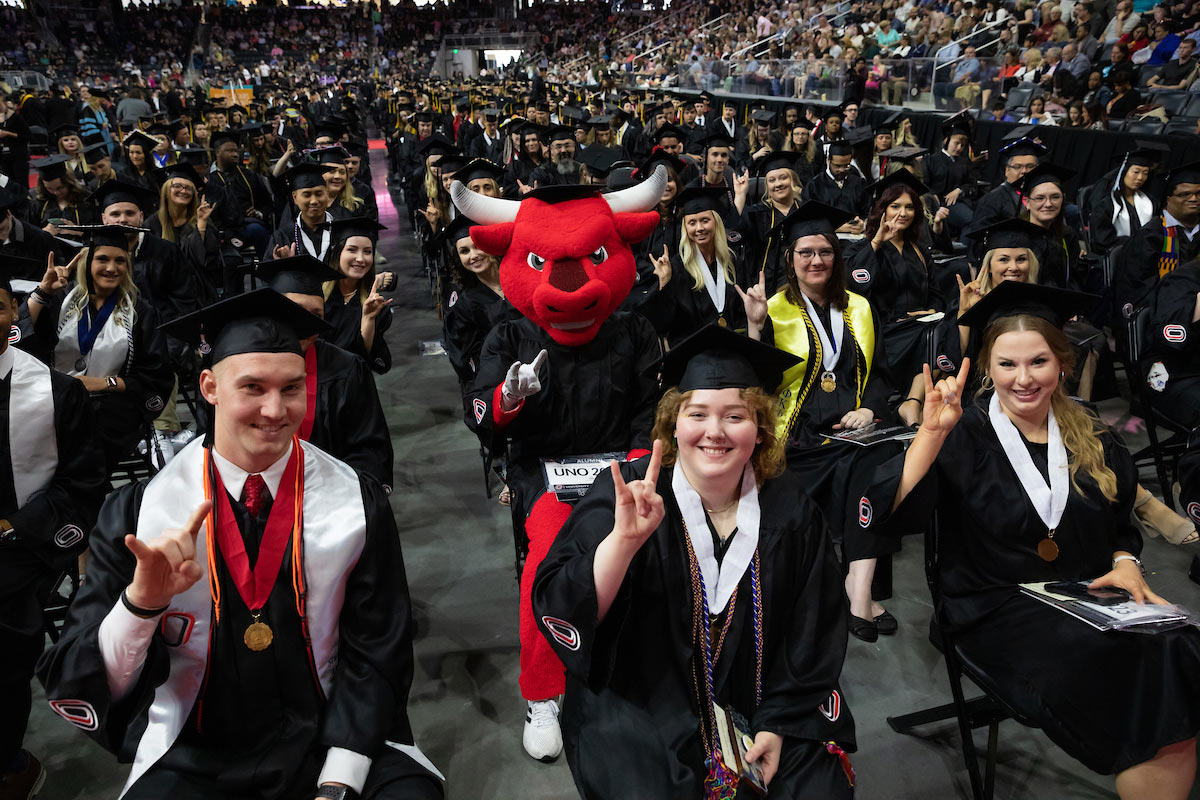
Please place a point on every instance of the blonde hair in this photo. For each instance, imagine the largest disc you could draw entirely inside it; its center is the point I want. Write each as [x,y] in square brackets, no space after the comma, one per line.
[166,226]
[796,187]
[689,253]
[346,198]
[768,456]
[1080,428]
[985,271]
[80,295]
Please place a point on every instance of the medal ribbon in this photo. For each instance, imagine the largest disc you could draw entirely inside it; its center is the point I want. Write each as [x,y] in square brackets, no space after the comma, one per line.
[829,344]
[90,329]
[284,522]
[1049,501]
[310,389]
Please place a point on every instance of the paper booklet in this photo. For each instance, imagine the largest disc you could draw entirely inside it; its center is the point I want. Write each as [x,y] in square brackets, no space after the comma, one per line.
[1126,616]
[873,434]
[570,478]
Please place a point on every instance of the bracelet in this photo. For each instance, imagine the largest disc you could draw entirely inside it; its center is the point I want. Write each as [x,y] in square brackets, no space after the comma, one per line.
[907,399]
[1134,559]
[138,611]
[111,380]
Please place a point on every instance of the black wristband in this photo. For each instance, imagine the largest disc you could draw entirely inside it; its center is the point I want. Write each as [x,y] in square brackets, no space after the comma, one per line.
[137,611]
[41,295]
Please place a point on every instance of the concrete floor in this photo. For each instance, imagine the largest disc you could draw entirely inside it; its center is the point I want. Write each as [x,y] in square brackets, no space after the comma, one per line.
[465,708]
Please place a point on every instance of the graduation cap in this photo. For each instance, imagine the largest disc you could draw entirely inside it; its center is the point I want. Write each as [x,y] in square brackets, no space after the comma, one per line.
[695,199]
[238,108]
[462,103]
[777,159]
[436,145]
[601,160]
[185,171]
[193,156]
[763,117]
[342,229]
[105,235]
[1016,298]
[221,137]
[718,358]
[250,131]
[17,268]
[96,152]
[905,154]
[452,163]
[571,114]
[151,118]
[459,228]
[491,112]
[159,129]
[307,175]
[1185,173]
[840,147]
[556,133]
[96,91]
[860,136]
[1043,173]
[52,167]
[811,219]
[1145,154]
[335,154]
[801,122]
[147,143]
[118,191]
[1021,146]
[69,129]
[718,137]
[261,321]
[960,123]
[659,156]
[301,274]
[423,116]
[1014,232]
[836,111]
[477,168]
[900,177]
[600,121]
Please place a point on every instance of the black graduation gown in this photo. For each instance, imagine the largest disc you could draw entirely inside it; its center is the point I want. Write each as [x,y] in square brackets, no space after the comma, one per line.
[763,250]
[1189,480]
[265,724]
[595,398]
[1101,204]
[120,417]
[1174,341]
[1137,267]
[665,234]
[202,253]
[472,313]
[944,174]
[837,475]
[164,278]
[346,319]
[370,206]
[82,213]
[72,497]
[851,197]
[678,310]
[29,241]
[151,180]
[999,204]
[631,726]
[897,282]
[1110,700]
[1058,259]
[348,422]
[241,190]
[481,148]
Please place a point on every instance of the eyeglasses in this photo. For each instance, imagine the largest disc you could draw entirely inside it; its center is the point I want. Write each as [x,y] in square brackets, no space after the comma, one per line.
[825,254]
[1187,195]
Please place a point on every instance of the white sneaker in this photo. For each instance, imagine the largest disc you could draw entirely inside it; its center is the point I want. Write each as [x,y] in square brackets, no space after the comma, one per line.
[543,737]
[161,449]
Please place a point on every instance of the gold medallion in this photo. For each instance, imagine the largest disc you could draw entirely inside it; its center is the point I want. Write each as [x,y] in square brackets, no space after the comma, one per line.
[721,321]
[828,381]
[258,636]
[1047,549]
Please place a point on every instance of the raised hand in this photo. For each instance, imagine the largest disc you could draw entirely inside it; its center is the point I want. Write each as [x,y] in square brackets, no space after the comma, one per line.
[522,380]
[943,401]
[755,302]
[284,251]
[968,295]
[662,268]
[166,566]
[639,507]
[375,301]
[57,277]
[741,183]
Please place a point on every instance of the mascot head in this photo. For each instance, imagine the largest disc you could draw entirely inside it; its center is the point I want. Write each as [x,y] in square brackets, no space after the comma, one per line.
[565,257]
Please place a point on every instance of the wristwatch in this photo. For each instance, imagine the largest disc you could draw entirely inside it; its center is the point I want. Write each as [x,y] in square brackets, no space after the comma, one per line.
[1134,559]
[112,381]
[336,792]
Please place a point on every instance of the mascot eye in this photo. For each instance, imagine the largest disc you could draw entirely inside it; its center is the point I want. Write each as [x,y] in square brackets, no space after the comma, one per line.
[599,257]
[536,261]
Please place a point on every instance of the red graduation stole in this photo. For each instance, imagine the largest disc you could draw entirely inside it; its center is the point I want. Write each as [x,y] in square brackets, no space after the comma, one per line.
[310,390]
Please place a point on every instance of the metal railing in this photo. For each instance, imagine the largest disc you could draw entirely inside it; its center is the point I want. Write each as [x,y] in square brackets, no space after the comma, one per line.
[656,48]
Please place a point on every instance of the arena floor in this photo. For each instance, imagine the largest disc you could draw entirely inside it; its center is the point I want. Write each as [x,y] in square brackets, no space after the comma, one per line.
[466,711]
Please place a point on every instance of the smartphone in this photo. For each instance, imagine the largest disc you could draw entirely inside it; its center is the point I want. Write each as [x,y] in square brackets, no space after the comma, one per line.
[1103,596]
[60,221]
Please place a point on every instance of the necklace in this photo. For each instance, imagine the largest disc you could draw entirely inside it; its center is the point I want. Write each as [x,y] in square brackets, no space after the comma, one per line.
[725,508]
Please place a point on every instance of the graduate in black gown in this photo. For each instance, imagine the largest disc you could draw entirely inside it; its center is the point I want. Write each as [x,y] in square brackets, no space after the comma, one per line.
[1044,201]
[60,197]
[1162,244]
[841,386]
[1118,204]
[893,269]
[841,187]
[700,282]
[307,233]
[665,235]
[287,680]
[51,486]
[103,333]
[344,417]
[358,313]
[1003,202]
[1029,486]
[781,192]
[710,581]
[138,166]
[476,306]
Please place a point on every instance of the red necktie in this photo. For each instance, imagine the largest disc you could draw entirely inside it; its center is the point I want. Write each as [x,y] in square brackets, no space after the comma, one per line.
[255,494]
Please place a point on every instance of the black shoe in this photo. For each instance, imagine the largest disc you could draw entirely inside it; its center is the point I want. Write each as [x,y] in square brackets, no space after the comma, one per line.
[886,624]
[863,629]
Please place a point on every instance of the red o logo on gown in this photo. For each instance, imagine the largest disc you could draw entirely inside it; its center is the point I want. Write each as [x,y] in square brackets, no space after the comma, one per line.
[176,627]
[480,409]
[79,713]
[14,335]
[860,276]
[1175,333]
[1193,511]
[945,364]
[563,632]
[832,708]
[864,512]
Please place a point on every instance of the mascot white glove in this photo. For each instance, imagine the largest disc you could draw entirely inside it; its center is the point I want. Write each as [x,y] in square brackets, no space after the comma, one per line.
[521,382]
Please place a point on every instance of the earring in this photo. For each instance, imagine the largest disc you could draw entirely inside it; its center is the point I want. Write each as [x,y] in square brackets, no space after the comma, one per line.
[987,383]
